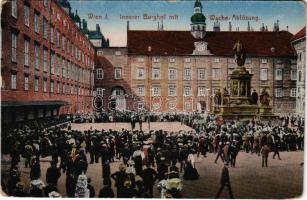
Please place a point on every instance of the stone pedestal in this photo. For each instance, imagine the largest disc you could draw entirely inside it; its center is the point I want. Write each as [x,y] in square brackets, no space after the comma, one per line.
[238,105]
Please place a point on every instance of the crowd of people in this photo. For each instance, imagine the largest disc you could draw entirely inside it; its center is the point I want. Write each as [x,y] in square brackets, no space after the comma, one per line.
[147,159]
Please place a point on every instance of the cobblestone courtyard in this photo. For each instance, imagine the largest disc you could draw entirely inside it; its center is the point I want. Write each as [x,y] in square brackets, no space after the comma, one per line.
[282,179]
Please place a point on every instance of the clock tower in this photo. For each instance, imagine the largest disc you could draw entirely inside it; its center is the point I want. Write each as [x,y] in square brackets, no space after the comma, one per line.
[198,21]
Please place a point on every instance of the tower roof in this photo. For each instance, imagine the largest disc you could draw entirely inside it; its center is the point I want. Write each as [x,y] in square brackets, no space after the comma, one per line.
[198,17]
[197,4]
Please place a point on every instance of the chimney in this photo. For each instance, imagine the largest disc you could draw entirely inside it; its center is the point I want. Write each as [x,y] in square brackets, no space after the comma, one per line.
[287,28]
[248,26]
[266,28]
[230,27]
[128,26]
[158,26]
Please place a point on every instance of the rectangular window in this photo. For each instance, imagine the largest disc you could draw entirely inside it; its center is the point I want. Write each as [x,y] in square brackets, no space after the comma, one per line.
[171,74]
[45,85]
[99,73]
[201,74]
[156,59]
[264,61]
[216,74]
[45,60]
[63,43]
[171,90]
[117,53]
[51,86]
[141,91]
[99,91]
[45,28]
[293,75]
[13,81]
[201,91]
[187,60]
[36,52]
[14,8]
[172,59]
[26,83]
[14,47]
[263,74]
[140,106]
[36,85]
[63,67]
[248,61]
[140,73]
[118,73]
[36,22]
[278,92]
[156,73]
[293,92]
[58,38]
[140,59]
[26,52]
[187,105]
[216,60]
[58,87]
[156,91]
[26,15]
[278,74]
[187,74]
[58,66]
[52,34]
[187,91]
[64,89]
[52,63]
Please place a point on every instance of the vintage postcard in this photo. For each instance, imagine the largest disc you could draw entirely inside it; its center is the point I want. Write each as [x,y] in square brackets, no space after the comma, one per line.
[153,99]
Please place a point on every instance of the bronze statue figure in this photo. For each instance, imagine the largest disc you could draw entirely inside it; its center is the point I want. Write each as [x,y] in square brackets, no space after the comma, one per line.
[239,53]
[264,98]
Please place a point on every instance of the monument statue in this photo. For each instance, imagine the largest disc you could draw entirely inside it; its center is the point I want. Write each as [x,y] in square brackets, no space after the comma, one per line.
[218,97]
[240,55]
[225,96]
[264,98]
[254,97]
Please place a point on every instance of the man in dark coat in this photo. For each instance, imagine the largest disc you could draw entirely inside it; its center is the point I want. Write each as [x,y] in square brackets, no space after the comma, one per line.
[225,181]
[149,176]
[120,177]
[53,174]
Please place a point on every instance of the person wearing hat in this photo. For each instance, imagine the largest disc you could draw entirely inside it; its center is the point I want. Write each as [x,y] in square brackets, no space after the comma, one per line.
[149,176]
[225,181]
[220,152]
[119,177]
[53,174]
[265,150]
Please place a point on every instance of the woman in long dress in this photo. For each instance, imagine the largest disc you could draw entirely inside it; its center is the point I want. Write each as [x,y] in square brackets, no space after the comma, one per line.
[190,172]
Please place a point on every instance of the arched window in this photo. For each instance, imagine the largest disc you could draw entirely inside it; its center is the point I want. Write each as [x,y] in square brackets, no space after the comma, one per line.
[299,76]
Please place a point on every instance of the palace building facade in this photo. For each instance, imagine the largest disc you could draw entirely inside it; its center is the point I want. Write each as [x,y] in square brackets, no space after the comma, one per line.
[47,63]
[180,71]
[299,43]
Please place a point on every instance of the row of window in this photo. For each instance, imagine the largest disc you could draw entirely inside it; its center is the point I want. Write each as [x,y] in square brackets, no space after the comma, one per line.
[201,91]
[59,65]
[201,74]
[156,59]
[66,44]
[66,89]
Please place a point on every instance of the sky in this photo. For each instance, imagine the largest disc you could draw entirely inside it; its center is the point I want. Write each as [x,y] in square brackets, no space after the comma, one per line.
[177,14]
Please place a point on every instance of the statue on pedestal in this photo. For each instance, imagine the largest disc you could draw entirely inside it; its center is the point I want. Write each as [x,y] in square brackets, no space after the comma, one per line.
[218,97]
[264,98]
[239,53]
[225,96]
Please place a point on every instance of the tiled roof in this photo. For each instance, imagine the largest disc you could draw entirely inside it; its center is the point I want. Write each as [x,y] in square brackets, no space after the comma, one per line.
[300,34]
[219,43]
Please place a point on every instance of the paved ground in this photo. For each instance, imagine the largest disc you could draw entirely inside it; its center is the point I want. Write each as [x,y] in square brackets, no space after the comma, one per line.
[167,126]
[282,179]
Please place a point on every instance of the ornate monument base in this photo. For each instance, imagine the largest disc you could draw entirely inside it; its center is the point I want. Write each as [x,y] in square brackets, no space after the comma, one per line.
[240,104]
